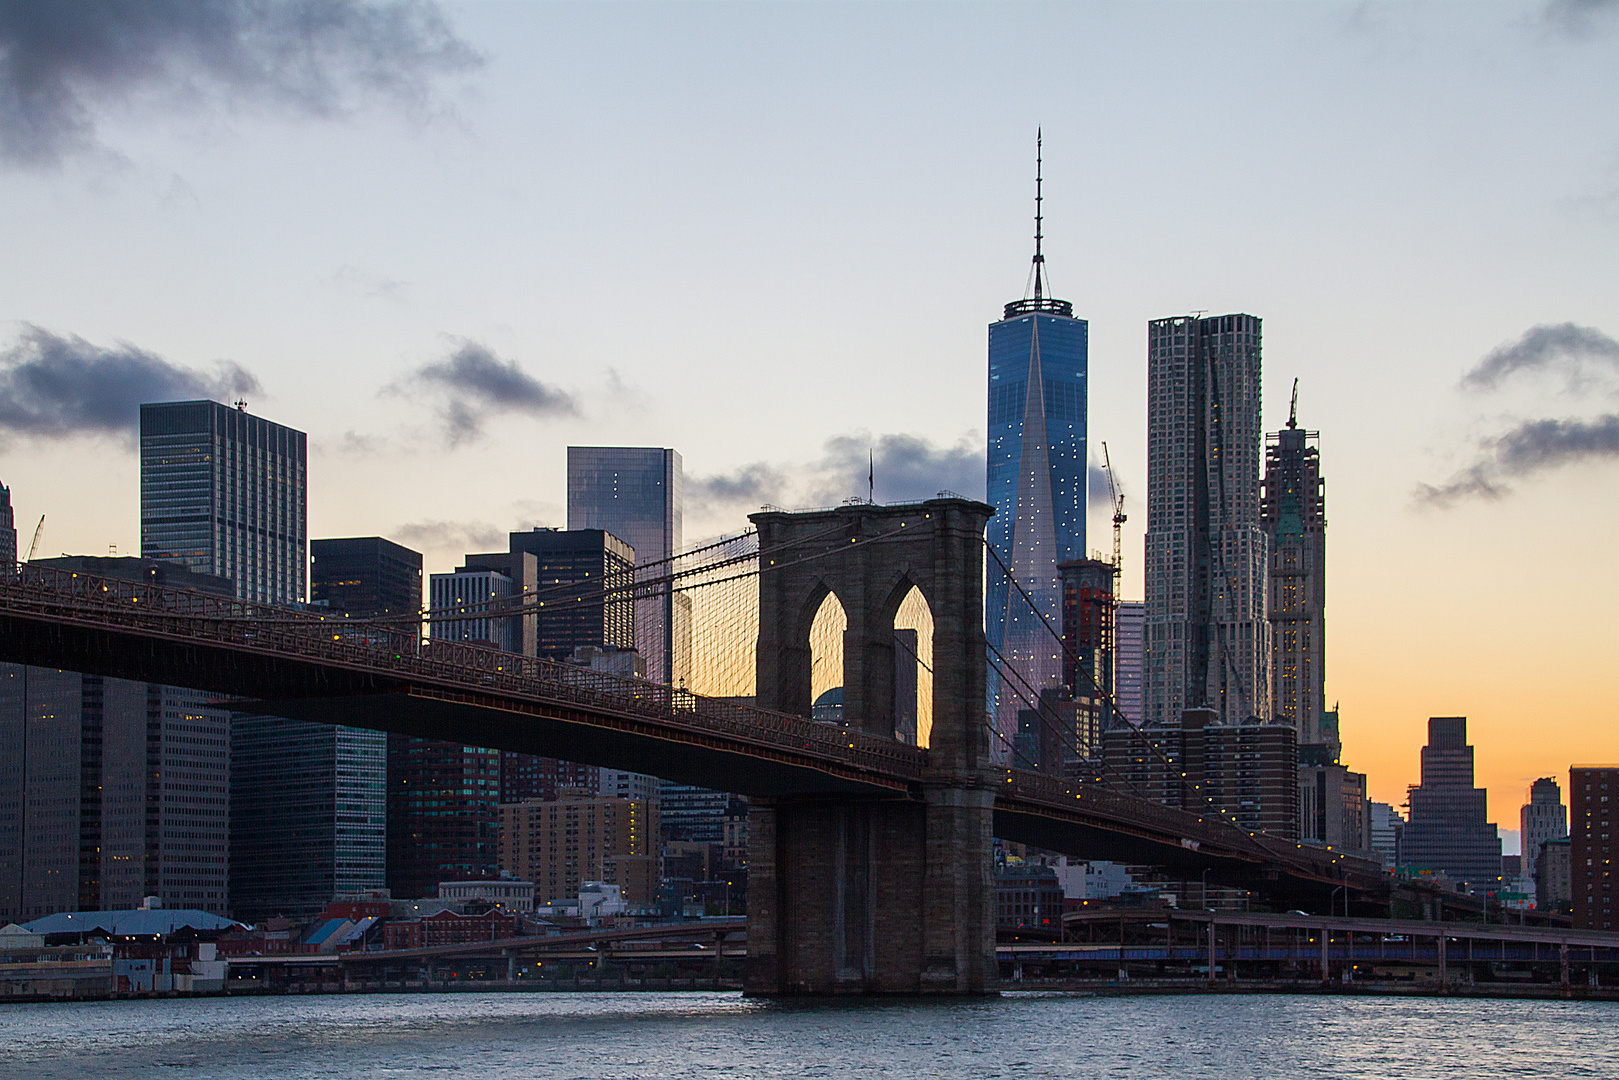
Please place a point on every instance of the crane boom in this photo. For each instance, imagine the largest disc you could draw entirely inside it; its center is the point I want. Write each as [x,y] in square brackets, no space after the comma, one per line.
[35,545]
[1116,499]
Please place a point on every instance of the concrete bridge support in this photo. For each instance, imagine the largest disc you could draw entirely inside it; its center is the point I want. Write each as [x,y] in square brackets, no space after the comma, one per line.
[872,896]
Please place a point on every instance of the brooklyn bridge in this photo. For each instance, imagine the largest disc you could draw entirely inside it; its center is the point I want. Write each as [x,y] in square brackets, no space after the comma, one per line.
[869,856]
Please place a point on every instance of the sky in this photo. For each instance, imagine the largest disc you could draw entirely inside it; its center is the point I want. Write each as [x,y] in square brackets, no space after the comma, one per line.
[448,240]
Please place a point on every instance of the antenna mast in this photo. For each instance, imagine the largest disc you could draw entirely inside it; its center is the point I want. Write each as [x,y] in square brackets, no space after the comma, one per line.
[1039,219]
[1293,410]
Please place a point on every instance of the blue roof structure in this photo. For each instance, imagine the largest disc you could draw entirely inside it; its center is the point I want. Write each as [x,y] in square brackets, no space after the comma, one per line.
[136,923]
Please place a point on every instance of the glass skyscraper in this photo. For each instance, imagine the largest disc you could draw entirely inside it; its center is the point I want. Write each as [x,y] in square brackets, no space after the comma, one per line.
[636,493]
[223,492]
[111,790]
[1036,482]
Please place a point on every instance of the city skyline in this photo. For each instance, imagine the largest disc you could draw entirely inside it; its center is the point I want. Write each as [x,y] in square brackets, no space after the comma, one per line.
[173,235]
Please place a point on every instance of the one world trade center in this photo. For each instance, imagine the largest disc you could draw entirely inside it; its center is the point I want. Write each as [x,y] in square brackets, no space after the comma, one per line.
[1036,482]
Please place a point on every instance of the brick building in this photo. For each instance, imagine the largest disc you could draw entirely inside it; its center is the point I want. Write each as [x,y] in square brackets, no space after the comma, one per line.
[1249,772]
[562,844]
[1593,791]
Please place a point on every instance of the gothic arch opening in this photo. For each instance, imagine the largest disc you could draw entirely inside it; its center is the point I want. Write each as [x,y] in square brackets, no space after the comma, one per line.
[826,660]
[913,669]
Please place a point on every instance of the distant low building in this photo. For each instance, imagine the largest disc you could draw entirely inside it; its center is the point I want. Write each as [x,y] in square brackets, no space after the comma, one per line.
[1028,897]
[1387,829]
[1554,889]
[508,895]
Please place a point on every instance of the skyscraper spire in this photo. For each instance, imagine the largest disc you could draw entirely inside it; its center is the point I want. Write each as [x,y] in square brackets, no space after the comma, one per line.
[1039,259]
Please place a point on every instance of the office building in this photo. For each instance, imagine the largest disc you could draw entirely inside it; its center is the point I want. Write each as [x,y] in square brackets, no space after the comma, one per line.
[1543,818]
[584,577]
[443,814]
[562,844]
[110,790]
[693,814]
[1129,657]
[1593,792]
[1554,876]
[1387,830]
[1449,828]
[467,607]
[636,493]
[1207,637]
[308,815]
[1036,480]
[1028,900]
[1247,772]
[1293,508]
[223,493]
[1333,808]
[365,577]
[8,529]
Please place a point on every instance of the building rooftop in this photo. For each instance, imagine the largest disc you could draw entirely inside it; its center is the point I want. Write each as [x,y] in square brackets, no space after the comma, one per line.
[158,922]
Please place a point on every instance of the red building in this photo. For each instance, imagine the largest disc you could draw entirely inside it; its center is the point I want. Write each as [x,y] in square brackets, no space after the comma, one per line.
[1593,791]
[449,928]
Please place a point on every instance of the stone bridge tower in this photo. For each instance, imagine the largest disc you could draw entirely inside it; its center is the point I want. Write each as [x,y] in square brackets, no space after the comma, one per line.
[861,895]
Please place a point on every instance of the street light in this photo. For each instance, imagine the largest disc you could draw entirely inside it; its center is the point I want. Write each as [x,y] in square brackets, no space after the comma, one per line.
[1206,870]
[1332,905]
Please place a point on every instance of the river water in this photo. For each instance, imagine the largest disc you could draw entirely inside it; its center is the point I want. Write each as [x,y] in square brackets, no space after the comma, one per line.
[720,1036]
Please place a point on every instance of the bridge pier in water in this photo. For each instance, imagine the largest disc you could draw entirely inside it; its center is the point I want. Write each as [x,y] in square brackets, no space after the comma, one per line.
[862,894]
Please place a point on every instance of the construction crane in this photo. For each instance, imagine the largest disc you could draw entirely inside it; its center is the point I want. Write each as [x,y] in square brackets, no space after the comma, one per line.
[35,545]
[1116,500]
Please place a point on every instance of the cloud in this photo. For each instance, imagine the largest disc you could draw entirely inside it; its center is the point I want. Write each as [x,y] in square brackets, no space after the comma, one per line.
[1580,353]
[58,387]
[907,468]
[60,63]
[1579,18]
[1586,361]
[473,383]
[1532,446]
[462,536]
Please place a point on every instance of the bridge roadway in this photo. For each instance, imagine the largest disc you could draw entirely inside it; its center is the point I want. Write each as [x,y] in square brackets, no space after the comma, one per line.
[312,667]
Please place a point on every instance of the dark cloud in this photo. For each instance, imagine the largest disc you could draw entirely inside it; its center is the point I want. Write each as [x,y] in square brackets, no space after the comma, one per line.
[1580,17]
[57,387]
[462,536]
[1586,361]
[1578,353]
[1531,447]
[747,488]
[907,468]
[472,382]
[61,61]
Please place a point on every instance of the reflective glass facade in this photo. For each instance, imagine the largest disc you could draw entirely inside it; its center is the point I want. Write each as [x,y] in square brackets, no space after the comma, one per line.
[223,492]
[637,493]
[308,815]
[1036,477]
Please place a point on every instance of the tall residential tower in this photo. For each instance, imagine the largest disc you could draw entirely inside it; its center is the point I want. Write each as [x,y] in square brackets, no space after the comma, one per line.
[1207,639]
[1036,481]
[1293,508]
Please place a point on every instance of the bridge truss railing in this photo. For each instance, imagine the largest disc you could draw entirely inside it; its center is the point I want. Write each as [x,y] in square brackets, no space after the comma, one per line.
[188,615]
[1196,831]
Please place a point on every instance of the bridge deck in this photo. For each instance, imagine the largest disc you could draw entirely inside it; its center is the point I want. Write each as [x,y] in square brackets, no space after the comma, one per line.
[366,674]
